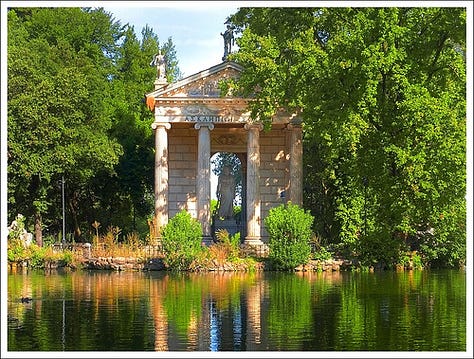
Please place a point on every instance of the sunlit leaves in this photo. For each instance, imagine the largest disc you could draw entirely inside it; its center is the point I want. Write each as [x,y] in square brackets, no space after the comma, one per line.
[382,94]
[58,113]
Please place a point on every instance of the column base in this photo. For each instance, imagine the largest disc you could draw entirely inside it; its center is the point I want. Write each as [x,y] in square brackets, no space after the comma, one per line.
[255,246]
[253,241]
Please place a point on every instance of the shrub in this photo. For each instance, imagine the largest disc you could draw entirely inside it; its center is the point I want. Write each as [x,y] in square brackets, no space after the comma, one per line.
[411,260]
[37,256]
[68,257]
[289,228]
[181,240]
[321,254]
[318,251]
[17,253]
[381,249]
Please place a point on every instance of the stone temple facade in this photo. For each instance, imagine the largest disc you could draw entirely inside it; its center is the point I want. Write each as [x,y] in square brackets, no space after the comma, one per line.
[192,122]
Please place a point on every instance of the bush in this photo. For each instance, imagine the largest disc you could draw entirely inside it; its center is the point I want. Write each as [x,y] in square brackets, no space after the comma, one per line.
[37,256]
[381,249]
[290,233]
[321,254]
[181,240]
[17,253]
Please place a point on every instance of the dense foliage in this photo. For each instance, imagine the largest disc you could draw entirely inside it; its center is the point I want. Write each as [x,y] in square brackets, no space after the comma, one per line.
[289,228]
[76,80]
[381,92]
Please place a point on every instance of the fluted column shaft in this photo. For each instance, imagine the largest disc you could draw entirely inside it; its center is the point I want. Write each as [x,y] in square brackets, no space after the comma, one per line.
[253,184]
[161,173]
[203,183]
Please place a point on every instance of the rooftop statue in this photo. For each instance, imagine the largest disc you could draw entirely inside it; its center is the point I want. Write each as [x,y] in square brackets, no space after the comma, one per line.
[160,63]
[228,41]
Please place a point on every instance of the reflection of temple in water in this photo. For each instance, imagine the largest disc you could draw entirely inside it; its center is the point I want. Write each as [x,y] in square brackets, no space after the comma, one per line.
[160,319]
[221,325]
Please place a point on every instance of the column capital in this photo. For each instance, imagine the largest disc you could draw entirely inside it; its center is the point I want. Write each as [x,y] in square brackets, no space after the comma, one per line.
[249,126]
[156,125]
[209,125]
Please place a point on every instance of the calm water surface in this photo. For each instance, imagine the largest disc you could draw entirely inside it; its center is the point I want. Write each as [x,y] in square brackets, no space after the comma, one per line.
[161,311]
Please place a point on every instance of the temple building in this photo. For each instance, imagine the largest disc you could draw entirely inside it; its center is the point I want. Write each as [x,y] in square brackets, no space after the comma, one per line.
[192,122]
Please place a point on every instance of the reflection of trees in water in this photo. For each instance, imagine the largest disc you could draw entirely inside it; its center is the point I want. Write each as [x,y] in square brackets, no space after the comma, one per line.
[246,311]
[202,308]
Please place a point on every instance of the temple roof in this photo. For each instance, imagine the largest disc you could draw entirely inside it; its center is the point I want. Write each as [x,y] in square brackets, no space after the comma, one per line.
[203,84]
[197,98]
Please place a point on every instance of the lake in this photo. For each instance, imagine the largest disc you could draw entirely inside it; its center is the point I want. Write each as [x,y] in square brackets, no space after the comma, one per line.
[233,311]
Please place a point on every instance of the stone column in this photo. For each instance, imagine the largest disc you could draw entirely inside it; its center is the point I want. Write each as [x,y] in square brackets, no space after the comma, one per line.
[243,213]
[253,184]
[203,182]
[296,164]
[161,173]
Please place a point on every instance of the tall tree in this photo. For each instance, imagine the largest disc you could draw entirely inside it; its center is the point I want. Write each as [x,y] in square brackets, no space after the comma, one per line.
[76,86]
[382,95]
[126,196]
[59,61]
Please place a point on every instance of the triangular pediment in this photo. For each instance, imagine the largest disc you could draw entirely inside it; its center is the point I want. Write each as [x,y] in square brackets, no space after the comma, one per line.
[204,84]
[196,98]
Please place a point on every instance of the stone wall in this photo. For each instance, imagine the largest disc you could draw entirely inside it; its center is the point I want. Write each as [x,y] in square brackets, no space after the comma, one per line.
[274,172]
[182,165]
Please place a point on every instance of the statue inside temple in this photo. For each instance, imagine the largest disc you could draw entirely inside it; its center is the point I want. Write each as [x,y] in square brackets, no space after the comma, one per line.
[225,194]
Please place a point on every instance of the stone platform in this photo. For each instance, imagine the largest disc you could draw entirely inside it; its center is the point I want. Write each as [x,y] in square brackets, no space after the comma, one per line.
[231,225]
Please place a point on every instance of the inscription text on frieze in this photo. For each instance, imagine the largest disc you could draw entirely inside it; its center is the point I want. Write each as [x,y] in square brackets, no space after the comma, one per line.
[210,118]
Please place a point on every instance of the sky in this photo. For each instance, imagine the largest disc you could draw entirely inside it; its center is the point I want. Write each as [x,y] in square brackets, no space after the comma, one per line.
[194,27]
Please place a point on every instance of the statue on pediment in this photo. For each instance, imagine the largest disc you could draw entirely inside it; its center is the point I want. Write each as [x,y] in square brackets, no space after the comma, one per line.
[228,41]
[160,62]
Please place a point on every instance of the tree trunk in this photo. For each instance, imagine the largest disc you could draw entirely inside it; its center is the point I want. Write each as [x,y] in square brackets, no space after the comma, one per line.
[72,206]
[38,229]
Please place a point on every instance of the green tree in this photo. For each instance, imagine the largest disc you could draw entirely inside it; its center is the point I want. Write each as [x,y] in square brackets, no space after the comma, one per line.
[382,95]
[127,193]
[76,85]
[59,60]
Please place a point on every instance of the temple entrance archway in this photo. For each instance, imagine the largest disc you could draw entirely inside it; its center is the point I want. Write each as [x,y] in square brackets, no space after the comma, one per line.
[232,220]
